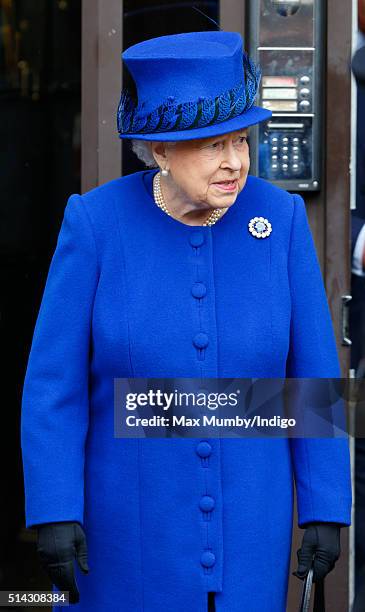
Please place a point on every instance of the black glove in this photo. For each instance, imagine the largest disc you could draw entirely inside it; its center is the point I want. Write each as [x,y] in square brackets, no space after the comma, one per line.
[321,541]
[58,545]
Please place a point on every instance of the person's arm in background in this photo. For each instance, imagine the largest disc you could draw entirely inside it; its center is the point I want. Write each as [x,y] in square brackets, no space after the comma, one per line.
[321,465]
[361,14]
[358,245]
[55,400]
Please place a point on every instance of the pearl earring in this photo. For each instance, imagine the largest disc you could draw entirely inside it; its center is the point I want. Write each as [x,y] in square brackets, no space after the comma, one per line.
[164,172]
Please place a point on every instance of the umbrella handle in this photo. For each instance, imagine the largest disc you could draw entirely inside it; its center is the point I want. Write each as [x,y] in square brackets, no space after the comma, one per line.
[319,602]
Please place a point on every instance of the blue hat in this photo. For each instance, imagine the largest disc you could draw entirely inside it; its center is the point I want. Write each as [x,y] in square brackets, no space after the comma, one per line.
[191,85]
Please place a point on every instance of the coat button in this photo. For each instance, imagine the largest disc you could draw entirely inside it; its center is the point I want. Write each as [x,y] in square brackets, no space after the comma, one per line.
[207,503]
[200,340]
[204,449]
[207,559]
[198,290]
[196,239]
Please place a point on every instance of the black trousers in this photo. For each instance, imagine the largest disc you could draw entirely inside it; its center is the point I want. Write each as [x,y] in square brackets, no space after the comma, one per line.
[211,604]
[360,522]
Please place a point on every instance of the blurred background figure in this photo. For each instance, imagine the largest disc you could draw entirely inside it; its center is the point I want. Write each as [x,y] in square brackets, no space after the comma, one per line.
[357,308]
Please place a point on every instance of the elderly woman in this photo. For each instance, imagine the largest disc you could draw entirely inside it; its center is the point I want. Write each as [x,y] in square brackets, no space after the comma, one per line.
[190,268]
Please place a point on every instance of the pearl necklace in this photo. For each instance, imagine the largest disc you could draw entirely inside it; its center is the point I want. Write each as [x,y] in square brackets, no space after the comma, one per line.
[159,200]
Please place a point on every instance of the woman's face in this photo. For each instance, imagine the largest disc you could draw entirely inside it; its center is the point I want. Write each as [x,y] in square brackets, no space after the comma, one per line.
[200,168]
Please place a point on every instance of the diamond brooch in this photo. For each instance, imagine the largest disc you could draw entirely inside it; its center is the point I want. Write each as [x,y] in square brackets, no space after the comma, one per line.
[260,227]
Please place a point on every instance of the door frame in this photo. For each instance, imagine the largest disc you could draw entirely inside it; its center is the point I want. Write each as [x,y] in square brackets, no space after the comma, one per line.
[101,69]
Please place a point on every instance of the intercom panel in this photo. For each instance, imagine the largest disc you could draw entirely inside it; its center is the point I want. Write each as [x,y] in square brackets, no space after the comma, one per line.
[286,40]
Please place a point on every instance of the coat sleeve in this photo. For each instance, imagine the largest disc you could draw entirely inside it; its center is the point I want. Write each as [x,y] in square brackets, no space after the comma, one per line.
[55,401]
[321,465]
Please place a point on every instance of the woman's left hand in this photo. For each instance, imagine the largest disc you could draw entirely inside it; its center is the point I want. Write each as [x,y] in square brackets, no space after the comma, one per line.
[321,542]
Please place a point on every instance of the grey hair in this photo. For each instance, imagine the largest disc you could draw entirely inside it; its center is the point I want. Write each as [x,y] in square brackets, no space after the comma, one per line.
[142,148]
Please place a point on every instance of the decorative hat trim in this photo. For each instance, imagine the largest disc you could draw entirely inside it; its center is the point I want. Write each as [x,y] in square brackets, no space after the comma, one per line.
[169,116]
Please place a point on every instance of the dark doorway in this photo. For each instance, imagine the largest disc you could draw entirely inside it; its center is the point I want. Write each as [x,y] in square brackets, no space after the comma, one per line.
[40,81]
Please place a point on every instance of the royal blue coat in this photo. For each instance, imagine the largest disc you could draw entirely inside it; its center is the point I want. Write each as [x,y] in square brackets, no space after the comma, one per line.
[128,290]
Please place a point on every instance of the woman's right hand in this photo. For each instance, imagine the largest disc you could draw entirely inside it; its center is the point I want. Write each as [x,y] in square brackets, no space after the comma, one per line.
[58,545]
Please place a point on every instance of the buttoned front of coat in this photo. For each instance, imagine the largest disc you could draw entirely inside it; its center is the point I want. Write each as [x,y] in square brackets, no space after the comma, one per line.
[131,292]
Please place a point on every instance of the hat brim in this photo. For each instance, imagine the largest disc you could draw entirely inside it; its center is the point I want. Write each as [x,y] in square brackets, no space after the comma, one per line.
[255,114]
